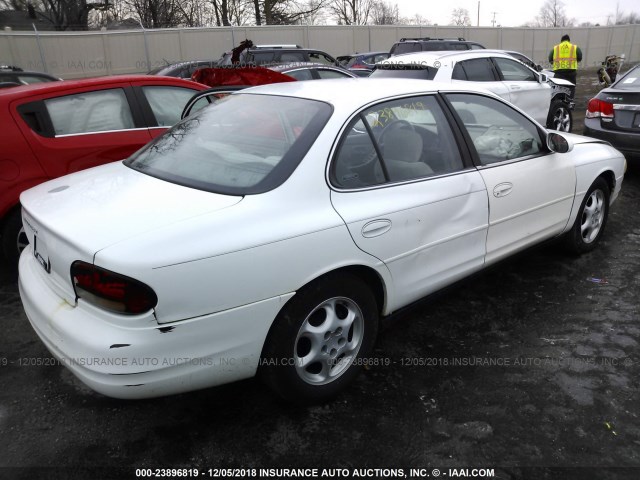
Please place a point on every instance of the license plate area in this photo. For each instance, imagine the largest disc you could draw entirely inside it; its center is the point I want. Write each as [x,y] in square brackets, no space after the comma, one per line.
[40,252]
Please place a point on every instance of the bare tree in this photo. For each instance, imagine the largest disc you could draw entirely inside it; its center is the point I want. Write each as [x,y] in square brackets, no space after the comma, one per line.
[351,12]
[417,19]
[284,12]
[62,14]
[383,13]
[460,17]
[630,18]
[552,14]
[315,12]
[157,13]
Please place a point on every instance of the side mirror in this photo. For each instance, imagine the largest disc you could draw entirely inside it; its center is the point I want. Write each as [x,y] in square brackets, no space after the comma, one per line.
[543,78]
[557,143]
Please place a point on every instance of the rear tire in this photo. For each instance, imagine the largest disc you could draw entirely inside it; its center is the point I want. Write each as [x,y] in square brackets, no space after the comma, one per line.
[14,240]
[560,117]
[591,220]
[317,344]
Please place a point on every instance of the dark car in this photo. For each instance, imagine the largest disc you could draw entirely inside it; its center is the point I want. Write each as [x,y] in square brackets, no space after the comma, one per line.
[362,64]
[427,44]
[182,69]
[276,54]
[614,114]
[11,76]
[50,130]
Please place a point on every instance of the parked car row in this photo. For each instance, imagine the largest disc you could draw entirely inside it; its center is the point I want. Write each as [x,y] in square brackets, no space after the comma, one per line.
[269,233]
[197,246]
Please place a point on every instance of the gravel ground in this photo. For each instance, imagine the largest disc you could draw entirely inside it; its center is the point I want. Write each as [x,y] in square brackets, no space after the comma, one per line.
[530,369]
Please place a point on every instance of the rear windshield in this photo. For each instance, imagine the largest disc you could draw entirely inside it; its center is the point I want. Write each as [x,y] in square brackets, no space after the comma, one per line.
[631,80]
[421,72]
[242,144]
[408,47]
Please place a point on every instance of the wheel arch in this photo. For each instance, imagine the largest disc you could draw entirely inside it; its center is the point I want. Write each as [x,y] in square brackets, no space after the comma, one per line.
[369,277]
[610,178]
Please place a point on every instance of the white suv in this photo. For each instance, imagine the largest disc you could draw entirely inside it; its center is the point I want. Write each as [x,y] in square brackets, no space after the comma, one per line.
[545,100]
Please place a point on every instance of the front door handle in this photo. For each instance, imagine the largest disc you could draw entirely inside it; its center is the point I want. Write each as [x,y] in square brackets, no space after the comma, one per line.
[502,190]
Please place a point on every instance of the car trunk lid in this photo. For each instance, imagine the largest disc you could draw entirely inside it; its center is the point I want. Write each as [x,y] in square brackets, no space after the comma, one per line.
[626,110]
[72,218]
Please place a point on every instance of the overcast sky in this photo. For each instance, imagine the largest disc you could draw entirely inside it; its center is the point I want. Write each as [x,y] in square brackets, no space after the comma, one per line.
[513,13]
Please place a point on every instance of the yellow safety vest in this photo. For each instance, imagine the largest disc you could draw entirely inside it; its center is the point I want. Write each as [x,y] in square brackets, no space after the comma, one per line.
[565,57]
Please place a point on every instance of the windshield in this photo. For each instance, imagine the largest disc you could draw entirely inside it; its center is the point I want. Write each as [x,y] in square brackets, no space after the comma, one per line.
[241,144]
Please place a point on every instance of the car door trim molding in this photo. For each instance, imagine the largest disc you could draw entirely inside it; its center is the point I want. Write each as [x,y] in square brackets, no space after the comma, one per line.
[99,131]
[480,228]
[533,209]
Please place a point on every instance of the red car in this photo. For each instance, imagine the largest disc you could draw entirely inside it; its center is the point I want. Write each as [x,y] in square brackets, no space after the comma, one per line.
[53,129]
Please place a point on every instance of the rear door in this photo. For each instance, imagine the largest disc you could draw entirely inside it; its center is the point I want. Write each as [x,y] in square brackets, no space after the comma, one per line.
[162,105]
[82,128]
[407,197]
[483,73]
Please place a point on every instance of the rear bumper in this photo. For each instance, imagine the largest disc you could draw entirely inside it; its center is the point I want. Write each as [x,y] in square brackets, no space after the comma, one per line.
[151,360]
[628,143]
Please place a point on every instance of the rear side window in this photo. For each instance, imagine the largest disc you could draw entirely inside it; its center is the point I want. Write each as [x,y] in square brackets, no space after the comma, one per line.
[301,74]
[319,57]
[261,58]
[89,112]
[292,57]
[167,103]
[396,141]
[326,73]
[475,70]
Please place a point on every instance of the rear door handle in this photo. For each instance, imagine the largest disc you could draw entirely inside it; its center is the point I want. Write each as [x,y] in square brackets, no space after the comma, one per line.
[376,228]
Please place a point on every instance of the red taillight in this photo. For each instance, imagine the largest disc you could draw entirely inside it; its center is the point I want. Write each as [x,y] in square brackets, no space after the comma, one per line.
[110,290]
[599,108]
[359,66]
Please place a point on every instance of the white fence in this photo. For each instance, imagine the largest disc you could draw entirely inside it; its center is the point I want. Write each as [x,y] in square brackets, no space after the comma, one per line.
[88,54]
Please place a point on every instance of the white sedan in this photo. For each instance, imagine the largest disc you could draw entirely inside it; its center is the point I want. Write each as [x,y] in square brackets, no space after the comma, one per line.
[271,231]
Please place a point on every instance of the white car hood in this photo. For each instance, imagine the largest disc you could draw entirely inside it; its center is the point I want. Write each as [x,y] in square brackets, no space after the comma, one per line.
[99,207]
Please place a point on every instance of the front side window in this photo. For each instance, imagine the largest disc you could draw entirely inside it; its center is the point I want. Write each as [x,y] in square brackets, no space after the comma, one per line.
[498,132]
[89,112]
[514,71]
[395,141]
[241,144]
[167,103]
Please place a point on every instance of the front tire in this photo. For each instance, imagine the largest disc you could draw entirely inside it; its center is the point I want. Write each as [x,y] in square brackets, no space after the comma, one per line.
[315,347]
[560,117]
[591,220]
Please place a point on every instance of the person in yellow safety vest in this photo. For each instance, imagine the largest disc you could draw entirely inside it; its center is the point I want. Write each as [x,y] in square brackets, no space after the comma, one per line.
[565,57]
